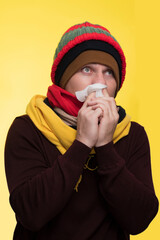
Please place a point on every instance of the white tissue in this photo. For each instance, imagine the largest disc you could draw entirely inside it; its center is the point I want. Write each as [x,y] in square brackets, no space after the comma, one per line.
[83,94]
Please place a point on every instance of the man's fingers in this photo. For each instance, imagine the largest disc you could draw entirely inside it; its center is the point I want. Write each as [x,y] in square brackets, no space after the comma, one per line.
[92,95]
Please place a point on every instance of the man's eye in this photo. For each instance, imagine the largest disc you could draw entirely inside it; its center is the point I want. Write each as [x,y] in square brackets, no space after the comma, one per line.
[109,72]
[86,69]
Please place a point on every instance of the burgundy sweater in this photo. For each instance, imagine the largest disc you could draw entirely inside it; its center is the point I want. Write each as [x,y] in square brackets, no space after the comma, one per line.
[112,202]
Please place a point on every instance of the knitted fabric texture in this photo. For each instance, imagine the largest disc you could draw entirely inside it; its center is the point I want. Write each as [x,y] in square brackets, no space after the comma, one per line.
[83,37]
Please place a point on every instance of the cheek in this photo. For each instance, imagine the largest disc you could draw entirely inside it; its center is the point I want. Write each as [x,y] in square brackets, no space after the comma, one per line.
[112,85]
[76,83]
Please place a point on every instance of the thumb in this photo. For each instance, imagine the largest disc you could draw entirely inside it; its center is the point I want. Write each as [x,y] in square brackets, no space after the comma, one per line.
[105,92]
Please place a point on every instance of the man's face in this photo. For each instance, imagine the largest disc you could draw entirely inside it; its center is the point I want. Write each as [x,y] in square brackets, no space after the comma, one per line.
[90,74]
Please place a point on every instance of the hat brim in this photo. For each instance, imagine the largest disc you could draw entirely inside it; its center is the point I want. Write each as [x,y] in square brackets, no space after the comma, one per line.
[86,57]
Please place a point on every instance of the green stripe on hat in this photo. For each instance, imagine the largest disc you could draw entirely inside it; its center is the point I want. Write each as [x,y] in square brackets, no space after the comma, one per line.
[69,36]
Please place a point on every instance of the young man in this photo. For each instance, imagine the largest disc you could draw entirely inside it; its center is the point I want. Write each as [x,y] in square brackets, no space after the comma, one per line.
[80,170]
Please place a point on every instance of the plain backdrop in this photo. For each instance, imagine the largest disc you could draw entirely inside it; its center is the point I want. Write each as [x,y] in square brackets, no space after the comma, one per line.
[29,33]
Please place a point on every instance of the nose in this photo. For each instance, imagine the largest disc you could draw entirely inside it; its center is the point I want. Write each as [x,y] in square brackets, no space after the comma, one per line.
[99,78]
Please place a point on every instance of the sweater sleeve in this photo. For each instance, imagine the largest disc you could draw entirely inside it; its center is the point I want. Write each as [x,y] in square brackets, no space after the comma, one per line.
[38,191]
[127,185]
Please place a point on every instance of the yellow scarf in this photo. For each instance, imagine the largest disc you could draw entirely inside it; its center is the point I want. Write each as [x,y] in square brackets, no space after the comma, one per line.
[59,133]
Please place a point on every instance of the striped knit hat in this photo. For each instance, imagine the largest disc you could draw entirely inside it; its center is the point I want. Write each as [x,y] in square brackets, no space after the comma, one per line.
[87,40]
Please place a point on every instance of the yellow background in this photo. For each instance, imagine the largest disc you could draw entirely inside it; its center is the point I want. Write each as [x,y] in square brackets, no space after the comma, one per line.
[29,33]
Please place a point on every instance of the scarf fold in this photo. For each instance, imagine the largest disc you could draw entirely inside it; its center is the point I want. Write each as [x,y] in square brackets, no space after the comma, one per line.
[59,133]
[67,119]
[59,97]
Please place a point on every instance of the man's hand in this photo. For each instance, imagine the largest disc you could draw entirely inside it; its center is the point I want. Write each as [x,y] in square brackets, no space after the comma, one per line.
[87,123]
[108,118]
